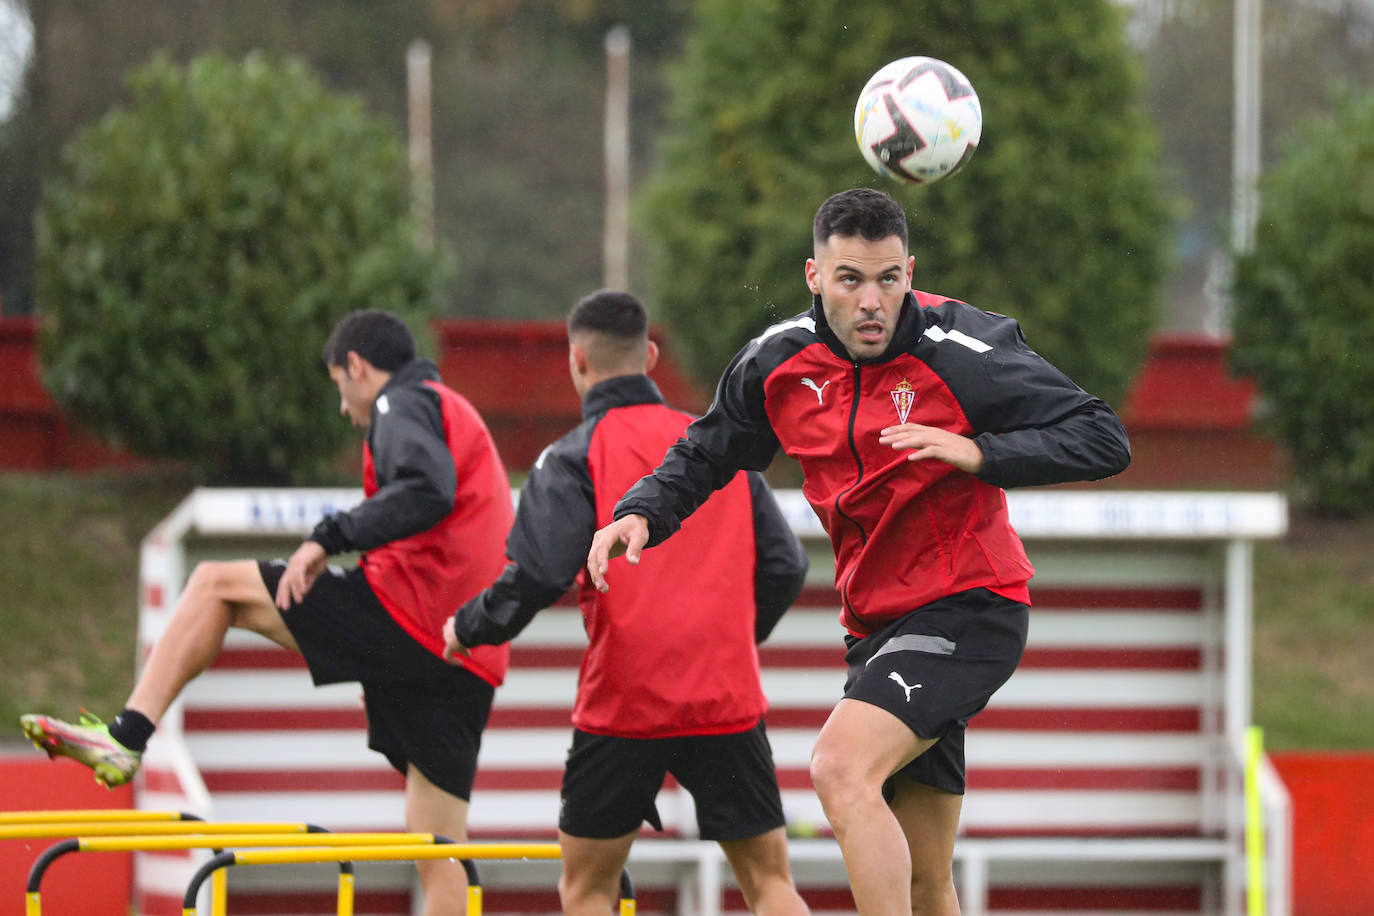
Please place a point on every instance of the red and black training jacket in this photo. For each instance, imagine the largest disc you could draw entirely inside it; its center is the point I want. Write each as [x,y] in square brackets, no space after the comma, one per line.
[437,511]
[672,645]
[904,533]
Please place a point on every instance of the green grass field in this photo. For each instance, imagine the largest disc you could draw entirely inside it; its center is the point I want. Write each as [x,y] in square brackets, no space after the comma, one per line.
[68,590]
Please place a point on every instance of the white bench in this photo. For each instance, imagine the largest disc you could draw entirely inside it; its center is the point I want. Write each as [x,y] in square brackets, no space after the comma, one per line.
[1102,777]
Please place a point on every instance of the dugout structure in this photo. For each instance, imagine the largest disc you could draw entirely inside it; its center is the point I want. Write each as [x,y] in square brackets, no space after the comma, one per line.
[1107,776]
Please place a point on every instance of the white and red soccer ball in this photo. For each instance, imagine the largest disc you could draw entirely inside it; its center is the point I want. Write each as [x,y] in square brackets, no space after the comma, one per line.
[918,120]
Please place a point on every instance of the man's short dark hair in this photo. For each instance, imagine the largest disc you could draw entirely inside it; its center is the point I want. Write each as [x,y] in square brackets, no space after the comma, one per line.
[860,213]
[612,313]
[378,337]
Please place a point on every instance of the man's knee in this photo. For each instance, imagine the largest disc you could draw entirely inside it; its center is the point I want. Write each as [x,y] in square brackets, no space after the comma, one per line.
[835,773]
[232,582]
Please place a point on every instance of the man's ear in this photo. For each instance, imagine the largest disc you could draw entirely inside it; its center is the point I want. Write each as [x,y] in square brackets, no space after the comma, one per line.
[812,276]
[355,365]
[577,359]
[652,359]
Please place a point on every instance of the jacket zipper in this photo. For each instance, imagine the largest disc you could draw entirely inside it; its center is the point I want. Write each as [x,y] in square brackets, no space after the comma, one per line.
[858,463]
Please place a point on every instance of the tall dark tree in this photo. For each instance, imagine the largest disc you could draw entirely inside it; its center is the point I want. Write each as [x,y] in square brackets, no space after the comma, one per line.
[1304,300]
[1057,220]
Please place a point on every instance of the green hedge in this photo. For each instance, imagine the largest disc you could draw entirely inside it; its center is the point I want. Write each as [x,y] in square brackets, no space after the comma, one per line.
[196,248]
[1304,305]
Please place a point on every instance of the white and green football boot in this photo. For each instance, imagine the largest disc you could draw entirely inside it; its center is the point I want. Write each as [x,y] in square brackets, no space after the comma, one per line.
[87,742]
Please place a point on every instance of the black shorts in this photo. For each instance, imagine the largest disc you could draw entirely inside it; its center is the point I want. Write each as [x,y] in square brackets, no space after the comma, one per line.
[610,784]
[935,669]
[420,709]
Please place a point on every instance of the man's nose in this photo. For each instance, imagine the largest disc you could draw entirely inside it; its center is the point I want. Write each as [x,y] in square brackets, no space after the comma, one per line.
[869,300]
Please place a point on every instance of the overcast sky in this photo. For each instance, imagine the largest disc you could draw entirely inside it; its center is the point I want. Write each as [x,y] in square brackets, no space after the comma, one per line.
[16,46]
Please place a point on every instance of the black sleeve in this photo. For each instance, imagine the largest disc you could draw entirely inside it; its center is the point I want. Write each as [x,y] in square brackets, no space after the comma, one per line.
[780,560]
[415,475]
[1038,427]
[547,548]
[733,434]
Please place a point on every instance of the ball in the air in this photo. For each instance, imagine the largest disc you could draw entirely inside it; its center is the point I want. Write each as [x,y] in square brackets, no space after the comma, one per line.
[918,120]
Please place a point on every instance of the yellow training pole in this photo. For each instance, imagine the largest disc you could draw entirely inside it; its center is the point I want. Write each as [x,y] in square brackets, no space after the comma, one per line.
[1254,822]
[627,894]
[219,894]
[134,828]
[222,840]
[87,815]
[397,853]
[474,900]
[345,907]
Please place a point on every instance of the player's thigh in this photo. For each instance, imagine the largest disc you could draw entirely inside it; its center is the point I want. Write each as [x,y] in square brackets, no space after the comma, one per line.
[861,745]
[758,859]
[593,866]
[430,809]
[240,586]
[929,818]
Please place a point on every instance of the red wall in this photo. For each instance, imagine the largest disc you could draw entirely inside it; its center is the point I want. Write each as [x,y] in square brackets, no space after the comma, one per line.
[33,433]
[1190,421]
[89,883]
[516,375]
[1333,831]
[514,372]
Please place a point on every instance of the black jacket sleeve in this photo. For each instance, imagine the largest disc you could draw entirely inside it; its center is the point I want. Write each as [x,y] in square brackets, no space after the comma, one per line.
[415,475]
[733,434]
[547,548]
[780,562]
[1035,426]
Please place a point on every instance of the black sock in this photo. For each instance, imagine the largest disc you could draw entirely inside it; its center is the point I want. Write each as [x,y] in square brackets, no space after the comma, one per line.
[132,729]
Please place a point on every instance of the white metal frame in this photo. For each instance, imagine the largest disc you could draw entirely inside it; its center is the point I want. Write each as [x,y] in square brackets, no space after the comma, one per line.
[1232,520]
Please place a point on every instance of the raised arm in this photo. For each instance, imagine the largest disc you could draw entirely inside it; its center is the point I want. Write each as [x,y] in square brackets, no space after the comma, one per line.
[555,518]
[733,434]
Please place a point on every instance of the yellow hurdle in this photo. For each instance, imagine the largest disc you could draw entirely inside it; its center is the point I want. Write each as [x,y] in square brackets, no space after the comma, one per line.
[225,840]
[131,828]
[463,852]
[90,816]
[199,837]
[37,824]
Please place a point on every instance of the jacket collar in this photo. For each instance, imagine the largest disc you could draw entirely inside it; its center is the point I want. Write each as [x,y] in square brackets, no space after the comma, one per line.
[911,323]
[619,391]
[417,370]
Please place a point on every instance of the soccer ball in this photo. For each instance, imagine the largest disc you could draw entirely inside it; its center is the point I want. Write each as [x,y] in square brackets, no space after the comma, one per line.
[918,120]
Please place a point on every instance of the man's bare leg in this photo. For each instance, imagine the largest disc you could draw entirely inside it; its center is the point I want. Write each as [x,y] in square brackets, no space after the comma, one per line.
[590,883]
[930,821]
[859,747]
[764,874]
[429,809]
[217,596]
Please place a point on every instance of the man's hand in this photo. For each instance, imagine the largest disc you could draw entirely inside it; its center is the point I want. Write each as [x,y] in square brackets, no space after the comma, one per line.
[626,535]
[452,647]
[302,570]
[931,442]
